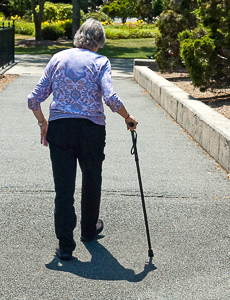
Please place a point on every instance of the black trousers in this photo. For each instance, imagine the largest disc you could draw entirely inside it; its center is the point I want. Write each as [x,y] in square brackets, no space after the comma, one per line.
[73,139]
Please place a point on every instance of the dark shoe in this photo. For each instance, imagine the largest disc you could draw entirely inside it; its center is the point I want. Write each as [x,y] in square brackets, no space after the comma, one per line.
[64,254]
[98,230]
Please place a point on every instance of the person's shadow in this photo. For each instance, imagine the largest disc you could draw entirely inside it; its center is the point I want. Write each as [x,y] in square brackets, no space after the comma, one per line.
[103,266]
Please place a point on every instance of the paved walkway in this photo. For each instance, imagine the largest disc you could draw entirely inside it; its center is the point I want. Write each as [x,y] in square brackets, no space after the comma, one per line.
[35,64]
[187,200]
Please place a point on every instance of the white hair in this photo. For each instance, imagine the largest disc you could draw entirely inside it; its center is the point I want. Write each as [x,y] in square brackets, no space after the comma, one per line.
[90,35]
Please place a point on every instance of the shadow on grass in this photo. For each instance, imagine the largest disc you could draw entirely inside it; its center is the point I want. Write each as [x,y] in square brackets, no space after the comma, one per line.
[51,50]
[103,266]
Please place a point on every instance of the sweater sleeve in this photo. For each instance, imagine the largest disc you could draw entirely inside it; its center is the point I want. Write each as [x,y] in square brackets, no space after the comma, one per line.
[42,90]
[110,97]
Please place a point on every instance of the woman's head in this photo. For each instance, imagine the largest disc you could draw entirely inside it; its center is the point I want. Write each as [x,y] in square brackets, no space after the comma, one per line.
[90,35]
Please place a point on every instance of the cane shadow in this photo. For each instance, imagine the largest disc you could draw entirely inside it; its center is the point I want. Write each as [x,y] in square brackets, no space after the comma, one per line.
[102,266]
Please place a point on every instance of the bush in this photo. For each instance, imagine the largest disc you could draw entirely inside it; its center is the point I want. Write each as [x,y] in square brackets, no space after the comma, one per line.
[130,30]
[51,31]
[64,11]
[54,12]
[23,27]
[49,12]
[68,29]
[125,33]
[2,16]
[205,50]
[177,18]
[100,16]
[16,7]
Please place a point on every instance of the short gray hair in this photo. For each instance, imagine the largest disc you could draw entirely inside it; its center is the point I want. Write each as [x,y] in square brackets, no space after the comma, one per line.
[90,35]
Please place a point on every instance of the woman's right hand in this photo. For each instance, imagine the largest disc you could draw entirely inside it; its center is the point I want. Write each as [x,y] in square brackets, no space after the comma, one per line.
[133,120]
[44,128]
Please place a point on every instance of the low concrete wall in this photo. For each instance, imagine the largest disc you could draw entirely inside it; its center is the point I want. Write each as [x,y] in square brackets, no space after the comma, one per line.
[208,127]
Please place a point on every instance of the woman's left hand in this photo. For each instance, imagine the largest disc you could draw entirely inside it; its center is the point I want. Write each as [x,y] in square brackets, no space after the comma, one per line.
[44,128]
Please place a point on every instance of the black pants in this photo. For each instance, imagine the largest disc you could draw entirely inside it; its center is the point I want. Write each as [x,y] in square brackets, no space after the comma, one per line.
[70,140]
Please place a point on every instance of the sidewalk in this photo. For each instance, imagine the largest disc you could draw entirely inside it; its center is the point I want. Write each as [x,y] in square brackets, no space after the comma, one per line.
[187,200]
[35,64]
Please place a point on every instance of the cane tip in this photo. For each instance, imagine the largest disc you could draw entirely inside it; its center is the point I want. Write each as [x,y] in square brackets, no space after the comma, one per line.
[151,253]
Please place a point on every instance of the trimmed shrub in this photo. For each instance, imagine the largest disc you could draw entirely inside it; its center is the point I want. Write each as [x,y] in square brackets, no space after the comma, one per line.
[23,27]
[100,16]
[68,29]
[125,33]
[52,32]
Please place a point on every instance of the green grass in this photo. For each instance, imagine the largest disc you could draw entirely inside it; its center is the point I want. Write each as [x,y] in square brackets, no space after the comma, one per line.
[127,48]
[123,48]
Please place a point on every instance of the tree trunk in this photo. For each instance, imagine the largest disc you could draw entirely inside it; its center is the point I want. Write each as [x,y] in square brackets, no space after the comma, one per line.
[76,17]
[38,18]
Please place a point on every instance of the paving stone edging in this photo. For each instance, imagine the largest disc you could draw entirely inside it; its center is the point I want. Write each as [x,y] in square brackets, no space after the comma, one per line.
[208,127]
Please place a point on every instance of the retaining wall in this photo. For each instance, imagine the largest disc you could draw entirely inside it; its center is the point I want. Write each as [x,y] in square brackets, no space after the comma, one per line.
[208,127]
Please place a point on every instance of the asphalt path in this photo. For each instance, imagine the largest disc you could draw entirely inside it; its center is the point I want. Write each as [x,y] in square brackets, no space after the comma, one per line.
[187,200]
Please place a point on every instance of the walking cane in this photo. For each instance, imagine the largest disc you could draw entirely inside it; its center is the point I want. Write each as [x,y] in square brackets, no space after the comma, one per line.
[134,151]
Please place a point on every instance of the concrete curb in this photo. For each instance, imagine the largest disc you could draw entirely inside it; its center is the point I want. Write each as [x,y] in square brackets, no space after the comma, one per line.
[208,127]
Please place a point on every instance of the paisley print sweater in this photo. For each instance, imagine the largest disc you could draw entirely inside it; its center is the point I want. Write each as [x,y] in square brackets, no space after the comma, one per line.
[78,79]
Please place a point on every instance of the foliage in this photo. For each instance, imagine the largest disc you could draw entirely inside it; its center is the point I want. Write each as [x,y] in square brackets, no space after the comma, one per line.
[51,32]
[197,48]
[206,50]
[68,29]
[19,7]
[130,30]
[171,22]
[2,16]
[121,8]
[54,12]
[64,11]
[100,16]
[90,5]
[60,28]
[159,6]
[136,30]
[23,27]
[49,12]
[144,10]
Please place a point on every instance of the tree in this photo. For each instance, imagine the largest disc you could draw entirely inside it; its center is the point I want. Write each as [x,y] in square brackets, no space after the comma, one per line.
[121,8]
[144,9]
[177,18]
[76,16]
[159,6]
[15,7]
[90,5]
[206,49]
[38,17]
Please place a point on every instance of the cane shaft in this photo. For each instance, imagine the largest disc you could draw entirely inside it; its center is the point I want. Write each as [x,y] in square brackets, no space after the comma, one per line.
[141,191]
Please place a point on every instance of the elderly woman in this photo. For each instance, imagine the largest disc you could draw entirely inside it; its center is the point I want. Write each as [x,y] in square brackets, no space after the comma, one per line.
[75,130]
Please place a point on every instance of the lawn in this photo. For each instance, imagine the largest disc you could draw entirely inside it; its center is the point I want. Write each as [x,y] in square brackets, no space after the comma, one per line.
[122,48]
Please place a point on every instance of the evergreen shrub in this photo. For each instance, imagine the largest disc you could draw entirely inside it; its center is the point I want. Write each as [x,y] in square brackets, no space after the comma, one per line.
[205,50]
[100,16]
[177,18]
[68,29]
[51,31]
[23,27]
